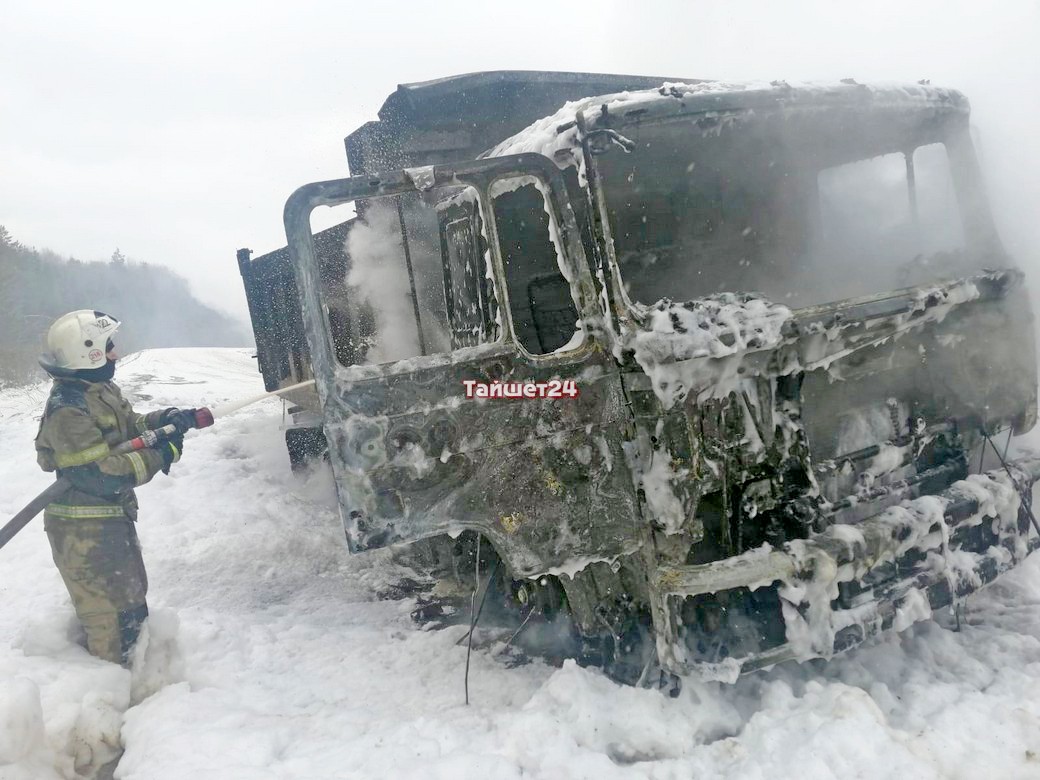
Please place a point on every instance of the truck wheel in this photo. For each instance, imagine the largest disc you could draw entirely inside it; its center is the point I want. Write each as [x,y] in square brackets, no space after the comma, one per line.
[305,445]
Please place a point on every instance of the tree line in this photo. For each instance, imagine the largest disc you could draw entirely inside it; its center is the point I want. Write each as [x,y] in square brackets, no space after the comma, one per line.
[154,303]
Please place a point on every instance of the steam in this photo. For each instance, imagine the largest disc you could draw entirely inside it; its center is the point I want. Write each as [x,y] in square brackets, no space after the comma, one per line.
[872,238]
[379,277]
[743,215]
[378,283]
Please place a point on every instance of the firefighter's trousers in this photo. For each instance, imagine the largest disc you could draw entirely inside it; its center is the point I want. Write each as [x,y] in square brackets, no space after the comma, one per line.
[100,561]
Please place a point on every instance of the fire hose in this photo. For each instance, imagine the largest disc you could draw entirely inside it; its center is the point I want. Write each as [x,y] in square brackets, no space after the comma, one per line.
[204,418]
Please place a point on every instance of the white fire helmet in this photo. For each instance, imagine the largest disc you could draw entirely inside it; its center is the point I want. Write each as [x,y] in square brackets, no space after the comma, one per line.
[79,339]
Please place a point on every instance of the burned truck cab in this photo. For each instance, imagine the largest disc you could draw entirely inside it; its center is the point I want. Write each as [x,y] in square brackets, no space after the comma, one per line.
[724,371]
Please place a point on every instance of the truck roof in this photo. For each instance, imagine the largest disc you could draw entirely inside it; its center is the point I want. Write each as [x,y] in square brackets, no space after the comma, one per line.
[444,96]
[894,110]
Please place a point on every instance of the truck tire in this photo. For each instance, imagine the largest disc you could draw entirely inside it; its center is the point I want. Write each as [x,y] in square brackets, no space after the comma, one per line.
[306,446]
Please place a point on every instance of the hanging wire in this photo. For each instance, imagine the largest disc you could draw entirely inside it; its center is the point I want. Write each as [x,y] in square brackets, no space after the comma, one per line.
[516,633]
[1027,502]
[475,617]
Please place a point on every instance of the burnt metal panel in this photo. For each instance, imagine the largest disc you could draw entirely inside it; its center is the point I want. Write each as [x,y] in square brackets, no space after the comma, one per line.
[458,117]
[517,471]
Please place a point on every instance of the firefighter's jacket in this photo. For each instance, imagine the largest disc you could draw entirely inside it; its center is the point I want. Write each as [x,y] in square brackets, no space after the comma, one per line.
[81,423]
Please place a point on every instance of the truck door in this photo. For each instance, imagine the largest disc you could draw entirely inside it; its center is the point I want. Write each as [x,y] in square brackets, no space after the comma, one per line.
[475,281]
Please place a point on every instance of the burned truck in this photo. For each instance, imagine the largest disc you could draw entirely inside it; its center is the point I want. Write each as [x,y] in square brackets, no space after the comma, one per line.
[715,375]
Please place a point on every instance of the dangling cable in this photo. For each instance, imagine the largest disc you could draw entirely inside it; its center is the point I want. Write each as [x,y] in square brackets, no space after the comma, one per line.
[475,617]
[1027,502]
[516,633]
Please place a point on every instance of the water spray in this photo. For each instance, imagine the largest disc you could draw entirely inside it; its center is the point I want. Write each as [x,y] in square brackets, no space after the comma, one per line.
[234,406]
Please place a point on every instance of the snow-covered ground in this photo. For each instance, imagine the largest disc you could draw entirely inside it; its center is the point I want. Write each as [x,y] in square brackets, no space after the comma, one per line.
[270,655]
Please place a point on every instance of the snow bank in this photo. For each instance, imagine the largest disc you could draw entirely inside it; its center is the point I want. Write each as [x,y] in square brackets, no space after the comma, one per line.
[270,654]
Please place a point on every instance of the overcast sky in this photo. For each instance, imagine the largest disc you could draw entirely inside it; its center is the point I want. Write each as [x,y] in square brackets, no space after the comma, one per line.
[176,131]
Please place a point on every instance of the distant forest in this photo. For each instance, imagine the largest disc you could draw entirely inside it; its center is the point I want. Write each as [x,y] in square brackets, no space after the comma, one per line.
[154,303]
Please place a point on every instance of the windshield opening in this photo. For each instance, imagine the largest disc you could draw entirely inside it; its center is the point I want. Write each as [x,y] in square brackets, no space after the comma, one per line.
[799,213]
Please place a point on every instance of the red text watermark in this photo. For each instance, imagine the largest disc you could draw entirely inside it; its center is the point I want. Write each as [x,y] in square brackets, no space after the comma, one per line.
[554,388]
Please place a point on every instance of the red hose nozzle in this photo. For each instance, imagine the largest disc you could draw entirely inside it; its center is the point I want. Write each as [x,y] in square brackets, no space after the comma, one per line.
[203,418]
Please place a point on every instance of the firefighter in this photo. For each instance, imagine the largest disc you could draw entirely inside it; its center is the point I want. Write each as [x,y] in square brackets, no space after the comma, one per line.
[91,527]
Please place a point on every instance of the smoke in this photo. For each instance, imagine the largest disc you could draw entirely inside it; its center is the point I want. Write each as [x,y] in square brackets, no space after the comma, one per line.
[872,238]
[379,283]
[380,279]
[757,207]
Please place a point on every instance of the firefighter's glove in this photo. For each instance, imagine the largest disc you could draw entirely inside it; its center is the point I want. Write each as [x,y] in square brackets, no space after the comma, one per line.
[182,419]
[171,450]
